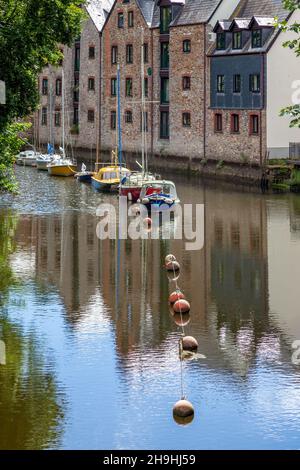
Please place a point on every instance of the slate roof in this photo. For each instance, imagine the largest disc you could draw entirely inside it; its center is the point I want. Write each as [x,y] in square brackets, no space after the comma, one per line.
[241,23]
[264,13]
[147,9]
[98,11]
[262,8]
[196,11]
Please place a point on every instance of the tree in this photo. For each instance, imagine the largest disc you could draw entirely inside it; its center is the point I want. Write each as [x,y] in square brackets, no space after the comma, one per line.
[30,35]
[292,111]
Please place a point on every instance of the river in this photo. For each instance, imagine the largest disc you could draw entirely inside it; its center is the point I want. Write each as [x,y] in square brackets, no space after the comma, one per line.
[91,349]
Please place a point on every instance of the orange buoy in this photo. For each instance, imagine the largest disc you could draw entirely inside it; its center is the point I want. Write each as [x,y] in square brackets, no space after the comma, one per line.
[181,319]
[177,295]
[183,409]
[173,266]
[169,258]
[148,221]
[189,344]
[181,306]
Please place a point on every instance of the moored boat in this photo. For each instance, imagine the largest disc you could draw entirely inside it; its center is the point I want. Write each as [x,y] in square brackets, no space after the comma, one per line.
[159,195]
[108,178]
[131,185]
[84,176]
[27,158]
[62,167]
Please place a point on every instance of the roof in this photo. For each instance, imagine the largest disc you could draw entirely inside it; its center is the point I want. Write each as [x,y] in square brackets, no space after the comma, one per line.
[261,12]
[196,11]
[241,23]
[261,8]
[98,11]
[147,9]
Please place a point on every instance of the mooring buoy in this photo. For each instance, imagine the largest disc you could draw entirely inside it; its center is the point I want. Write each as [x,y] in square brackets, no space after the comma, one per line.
[181,306]
[177,295]
[189,343]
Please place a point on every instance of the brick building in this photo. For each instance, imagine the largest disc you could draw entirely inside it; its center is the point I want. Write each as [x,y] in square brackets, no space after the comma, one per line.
[81,67]
[175,36]
[251,79]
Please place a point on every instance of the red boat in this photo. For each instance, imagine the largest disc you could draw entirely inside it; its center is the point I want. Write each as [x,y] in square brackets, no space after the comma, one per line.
[131,185]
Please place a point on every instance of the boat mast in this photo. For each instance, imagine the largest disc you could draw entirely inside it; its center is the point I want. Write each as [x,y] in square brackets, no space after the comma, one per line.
[143,100]
[51,114]
[119,129]
[63,111]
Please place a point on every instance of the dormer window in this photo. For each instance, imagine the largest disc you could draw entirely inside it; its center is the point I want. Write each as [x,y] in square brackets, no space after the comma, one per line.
[256,38]
[221,41]
[237,40]
[165,19]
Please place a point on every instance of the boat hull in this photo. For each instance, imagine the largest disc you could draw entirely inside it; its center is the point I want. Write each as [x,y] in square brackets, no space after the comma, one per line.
[62,170]
[42,166]
[159,206]
[26,162]
[103,186]
[132,193]
[84,178]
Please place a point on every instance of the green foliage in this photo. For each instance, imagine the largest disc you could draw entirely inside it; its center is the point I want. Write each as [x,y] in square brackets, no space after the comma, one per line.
[10,145]
[294,44]
[30,34]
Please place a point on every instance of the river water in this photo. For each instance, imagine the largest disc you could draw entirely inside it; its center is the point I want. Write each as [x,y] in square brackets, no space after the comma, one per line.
[91,349]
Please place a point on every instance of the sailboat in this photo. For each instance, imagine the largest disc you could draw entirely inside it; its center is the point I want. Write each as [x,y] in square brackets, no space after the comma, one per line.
[131,185]
[43,161]
[61,165]
[109,177]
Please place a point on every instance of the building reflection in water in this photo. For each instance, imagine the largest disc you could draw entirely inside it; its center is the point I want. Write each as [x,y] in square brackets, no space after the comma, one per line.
[227,281]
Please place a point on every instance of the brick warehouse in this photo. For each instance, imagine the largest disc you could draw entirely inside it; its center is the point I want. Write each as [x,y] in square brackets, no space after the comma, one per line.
[81,66]
[189,120]
[175,38]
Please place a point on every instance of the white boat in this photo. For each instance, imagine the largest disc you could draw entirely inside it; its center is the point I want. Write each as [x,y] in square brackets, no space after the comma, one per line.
[159,195]
[43,161]
[27,158]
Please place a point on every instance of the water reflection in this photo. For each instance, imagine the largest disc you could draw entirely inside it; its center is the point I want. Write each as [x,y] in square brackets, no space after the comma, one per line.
[101,307]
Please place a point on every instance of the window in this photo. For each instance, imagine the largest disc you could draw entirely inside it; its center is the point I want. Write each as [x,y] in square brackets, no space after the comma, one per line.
[91,84]
[186,83]
[129,54]
[221,41]
[113,120]
[58,87]
[164,125]
[218,122]
[44,116]
[77,59]
[256,38]
[75,116]
[120,20]
[235,123]
[130,19]
[92,52]
[57,118]
[164,55]
[114,54]
[113,87]
[237,40]
[165,19]
[76,90]
[146,87]
[45,86]
[145,113]
[146,53]
[220,84]
[236,83]
[61,61]
[254,124]
[186,46]
[164,95]
[254,83]
[128,117]
[128,90]
[91,115]
[186,119]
